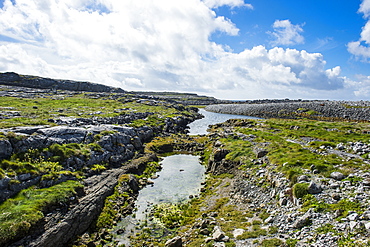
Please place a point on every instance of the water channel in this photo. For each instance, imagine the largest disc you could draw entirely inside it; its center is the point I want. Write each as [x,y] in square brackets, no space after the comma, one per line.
[181,176]
[200,126]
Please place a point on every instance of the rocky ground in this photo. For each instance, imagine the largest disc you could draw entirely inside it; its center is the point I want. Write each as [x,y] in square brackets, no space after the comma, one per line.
[321,110]
[74,143]
[316,194]
[333,209]
[270,182]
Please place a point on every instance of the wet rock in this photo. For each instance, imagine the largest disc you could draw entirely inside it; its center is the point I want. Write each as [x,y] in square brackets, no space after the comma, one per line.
[24,177]
[4,182]
[220,154]
[133,183]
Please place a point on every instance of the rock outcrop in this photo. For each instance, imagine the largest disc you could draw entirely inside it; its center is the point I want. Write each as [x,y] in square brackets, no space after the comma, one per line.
[14,79]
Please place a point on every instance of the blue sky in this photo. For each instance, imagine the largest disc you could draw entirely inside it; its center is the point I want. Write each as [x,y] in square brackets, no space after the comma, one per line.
[327,27]
[230,49]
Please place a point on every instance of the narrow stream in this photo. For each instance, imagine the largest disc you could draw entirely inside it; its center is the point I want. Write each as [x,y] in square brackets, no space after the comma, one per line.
[200,126]
[180,177]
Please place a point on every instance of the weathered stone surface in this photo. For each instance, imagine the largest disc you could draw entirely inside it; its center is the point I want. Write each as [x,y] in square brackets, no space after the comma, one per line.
[260,152]
[282,108]
[174,242]
[302,221]
[13,79]
[302,178]
[218,234]
[6,149]
[313,188]
[63,134]
[337,176]
[79,219]
[238,232]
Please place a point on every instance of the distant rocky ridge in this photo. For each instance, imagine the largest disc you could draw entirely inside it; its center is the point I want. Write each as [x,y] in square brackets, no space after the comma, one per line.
[14,79]
[324,109]
[39,84]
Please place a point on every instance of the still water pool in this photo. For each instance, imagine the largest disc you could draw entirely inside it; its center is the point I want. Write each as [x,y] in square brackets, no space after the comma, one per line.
[180,177]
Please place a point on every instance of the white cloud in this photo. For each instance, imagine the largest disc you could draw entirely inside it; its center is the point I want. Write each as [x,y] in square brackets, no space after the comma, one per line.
[155,45]
[365,8]
[286,33]
[361,48]
[231,3]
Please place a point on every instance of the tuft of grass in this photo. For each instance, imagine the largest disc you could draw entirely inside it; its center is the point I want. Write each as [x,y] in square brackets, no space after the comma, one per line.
[272,242]
[344,205]
[300,190]
[18,214]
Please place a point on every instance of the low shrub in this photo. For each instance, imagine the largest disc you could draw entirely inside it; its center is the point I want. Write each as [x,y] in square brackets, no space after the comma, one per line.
[300,190]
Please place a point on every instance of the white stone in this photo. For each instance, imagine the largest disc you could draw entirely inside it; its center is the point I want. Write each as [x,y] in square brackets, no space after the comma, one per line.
[238,232]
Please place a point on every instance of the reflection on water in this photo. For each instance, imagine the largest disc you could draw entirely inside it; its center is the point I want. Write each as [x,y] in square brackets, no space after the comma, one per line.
[180,177]
[200,126]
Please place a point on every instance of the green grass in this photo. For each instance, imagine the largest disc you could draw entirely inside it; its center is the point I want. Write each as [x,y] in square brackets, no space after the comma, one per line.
[272,242]
[65,151]
[344,205]
[18,214]
[110,211]
[287,148]
[37,111]
[16,167]
[300,190]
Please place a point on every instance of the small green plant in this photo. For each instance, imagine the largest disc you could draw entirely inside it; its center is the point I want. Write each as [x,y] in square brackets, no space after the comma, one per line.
[98,168]
[252,234]
[291,242]
[273,229]
[300,190]
[272,242]
[264,215]
[325,229]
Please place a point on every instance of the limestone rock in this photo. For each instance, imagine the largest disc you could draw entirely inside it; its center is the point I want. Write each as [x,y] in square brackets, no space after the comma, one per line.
[337,176]
[6,149]
[313,188]
[238,232]
[174,242]
[218,234]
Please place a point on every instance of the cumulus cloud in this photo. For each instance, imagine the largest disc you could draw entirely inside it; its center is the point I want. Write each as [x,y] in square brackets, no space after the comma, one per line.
[231,3]
[361,48]
[365,8]
[155,45]
[286,33]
